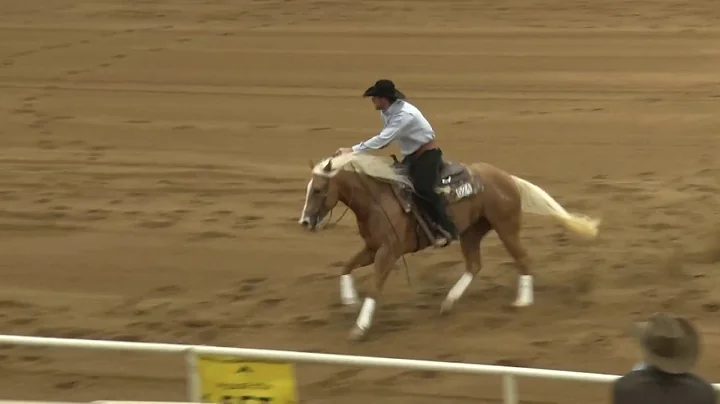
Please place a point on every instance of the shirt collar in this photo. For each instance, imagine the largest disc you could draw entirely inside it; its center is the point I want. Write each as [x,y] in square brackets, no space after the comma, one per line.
[394,108]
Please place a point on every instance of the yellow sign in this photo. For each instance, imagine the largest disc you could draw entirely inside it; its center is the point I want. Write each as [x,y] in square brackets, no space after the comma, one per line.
[230,380]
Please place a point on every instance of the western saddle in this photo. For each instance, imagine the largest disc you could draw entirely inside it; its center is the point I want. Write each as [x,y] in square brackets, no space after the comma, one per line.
[454,184]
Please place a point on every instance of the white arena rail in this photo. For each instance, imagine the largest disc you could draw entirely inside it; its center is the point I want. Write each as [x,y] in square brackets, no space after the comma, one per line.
[509,374]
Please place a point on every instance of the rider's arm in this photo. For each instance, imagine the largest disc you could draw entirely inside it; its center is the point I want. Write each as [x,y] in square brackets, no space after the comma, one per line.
[395,125]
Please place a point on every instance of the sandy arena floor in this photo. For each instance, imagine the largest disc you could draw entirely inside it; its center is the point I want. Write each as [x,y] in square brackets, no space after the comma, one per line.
[155,152]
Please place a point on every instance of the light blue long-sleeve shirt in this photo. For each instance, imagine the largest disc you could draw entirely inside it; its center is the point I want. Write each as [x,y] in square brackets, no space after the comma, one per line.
[405,124]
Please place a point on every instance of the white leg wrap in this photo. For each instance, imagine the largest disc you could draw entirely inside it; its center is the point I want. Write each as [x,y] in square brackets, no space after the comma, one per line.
[348,294]
[366,314]
[460,286]
[525,291]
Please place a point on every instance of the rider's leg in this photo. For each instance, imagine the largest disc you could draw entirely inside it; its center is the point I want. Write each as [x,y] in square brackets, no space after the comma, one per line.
[425,170]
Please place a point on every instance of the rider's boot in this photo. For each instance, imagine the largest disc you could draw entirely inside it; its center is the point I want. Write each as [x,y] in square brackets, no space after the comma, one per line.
[446,237]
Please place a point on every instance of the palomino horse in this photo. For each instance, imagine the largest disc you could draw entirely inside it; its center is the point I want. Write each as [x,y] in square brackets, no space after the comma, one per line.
[481,198]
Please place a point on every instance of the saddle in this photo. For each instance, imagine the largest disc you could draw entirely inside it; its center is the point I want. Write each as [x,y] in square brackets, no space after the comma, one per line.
[455,183]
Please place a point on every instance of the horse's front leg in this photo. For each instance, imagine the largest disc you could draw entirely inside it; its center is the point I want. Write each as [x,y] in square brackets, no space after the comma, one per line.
[384,258]
[348,293]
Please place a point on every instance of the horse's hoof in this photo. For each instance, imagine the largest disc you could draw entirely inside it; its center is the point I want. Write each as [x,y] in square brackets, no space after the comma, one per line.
[357,334]
[446,307]
[521,304]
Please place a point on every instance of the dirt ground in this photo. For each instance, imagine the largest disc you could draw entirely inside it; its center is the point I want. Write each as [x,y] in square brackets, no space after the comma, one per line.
[154,159]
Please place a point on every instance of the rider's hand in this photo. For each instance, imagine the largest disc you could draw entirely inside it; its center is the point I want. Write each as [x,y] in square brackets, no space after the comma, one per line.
[343,150]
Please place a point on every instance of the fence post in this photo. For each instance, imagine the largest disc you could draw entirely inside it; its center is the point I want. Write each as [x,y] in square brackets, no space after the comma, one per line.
[192,378]
[510,392]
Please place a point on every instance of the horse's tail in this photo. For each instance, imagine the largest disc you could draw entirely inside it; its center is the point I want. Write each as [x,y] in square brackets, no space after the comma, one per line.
[536,200]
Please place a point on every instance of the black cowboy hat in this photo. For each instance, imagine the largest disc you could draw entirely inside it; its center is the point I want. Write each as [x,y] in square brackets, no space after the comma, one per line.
[669,343]
[384,88]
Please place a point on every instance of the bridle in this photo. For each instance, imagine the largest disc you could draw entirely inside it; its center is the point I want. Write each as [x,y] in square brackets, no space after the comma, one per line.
[347,207]
[323,201]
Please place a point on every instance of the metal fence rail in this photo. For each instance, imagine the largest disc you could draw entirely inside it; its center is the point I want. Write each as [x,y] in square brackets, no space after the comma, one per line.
[508,374]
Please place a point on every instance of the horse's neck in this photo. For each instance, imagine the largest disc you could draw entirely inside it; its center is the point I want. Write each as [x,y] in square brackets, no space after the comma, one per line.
[356,192]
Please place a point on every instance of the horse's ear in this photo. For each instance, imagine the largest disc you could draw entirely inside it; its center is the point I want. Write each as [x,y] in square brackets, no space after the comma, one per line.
[328,166]
[312,165]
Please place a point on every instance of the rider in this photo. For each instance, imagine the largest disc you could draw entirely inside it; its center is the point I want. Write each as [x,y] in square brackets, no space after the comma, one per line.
[416,138]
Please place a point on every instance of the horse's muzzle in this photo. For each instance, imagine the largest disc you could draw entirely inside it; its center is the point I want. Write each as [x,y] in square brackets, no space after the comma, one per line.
[309,223]
[312,222]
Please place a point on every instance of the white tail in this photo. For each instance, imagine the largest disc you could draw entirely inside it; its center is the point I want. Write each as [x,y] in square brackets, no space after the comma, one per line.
[536,200]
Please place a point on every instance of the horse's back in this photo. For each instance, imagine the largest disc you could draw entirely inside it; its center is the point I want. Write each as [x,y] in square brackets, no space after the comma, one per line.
[491,173]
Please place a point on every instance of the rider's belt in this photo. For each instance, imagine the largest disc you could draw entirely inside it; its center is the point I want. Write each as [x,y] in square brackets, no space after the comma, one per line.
[431,145]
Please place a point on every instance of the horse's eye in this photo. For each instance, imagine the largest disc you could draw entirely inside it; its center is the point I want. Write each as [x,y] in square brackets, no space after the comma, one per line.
[315,191]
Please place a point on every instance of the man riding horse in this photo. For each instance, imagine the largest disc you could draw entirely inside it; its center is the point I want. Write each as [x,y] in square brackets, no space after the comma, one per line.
[480,198]
[422,156]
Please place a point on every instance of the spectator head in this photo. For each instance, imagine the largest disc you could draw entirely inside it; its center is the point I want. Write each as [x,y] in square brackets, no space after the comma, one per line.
[669,343]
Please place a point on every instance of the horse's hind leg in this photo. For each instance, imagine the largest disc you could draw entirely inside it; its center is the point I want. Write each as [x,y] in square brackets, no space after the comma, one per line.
[508,231]
[470,247]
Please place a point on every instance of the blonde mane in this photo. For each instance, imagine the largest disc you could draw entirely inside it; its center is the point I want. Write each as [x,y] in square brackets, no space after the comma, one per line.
[372,166]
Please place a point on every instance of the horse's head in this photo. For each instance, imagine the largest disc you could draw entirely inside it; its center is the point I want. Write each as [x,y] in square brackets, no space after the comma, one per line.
[321,195]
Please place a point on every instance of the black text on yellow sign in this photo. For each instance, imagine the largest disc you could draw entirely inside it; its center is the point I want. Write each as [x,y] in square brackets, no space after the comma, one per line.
[229,380]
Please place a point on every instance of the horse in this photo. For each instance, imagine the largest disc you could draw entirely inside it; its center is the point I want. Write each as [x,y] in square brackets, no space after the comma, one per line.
[479,197]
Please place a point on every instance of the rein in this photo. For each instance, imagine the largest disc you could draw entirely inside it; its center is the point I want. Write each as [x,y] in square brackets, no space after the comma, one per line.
[347,207]
[397,236]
